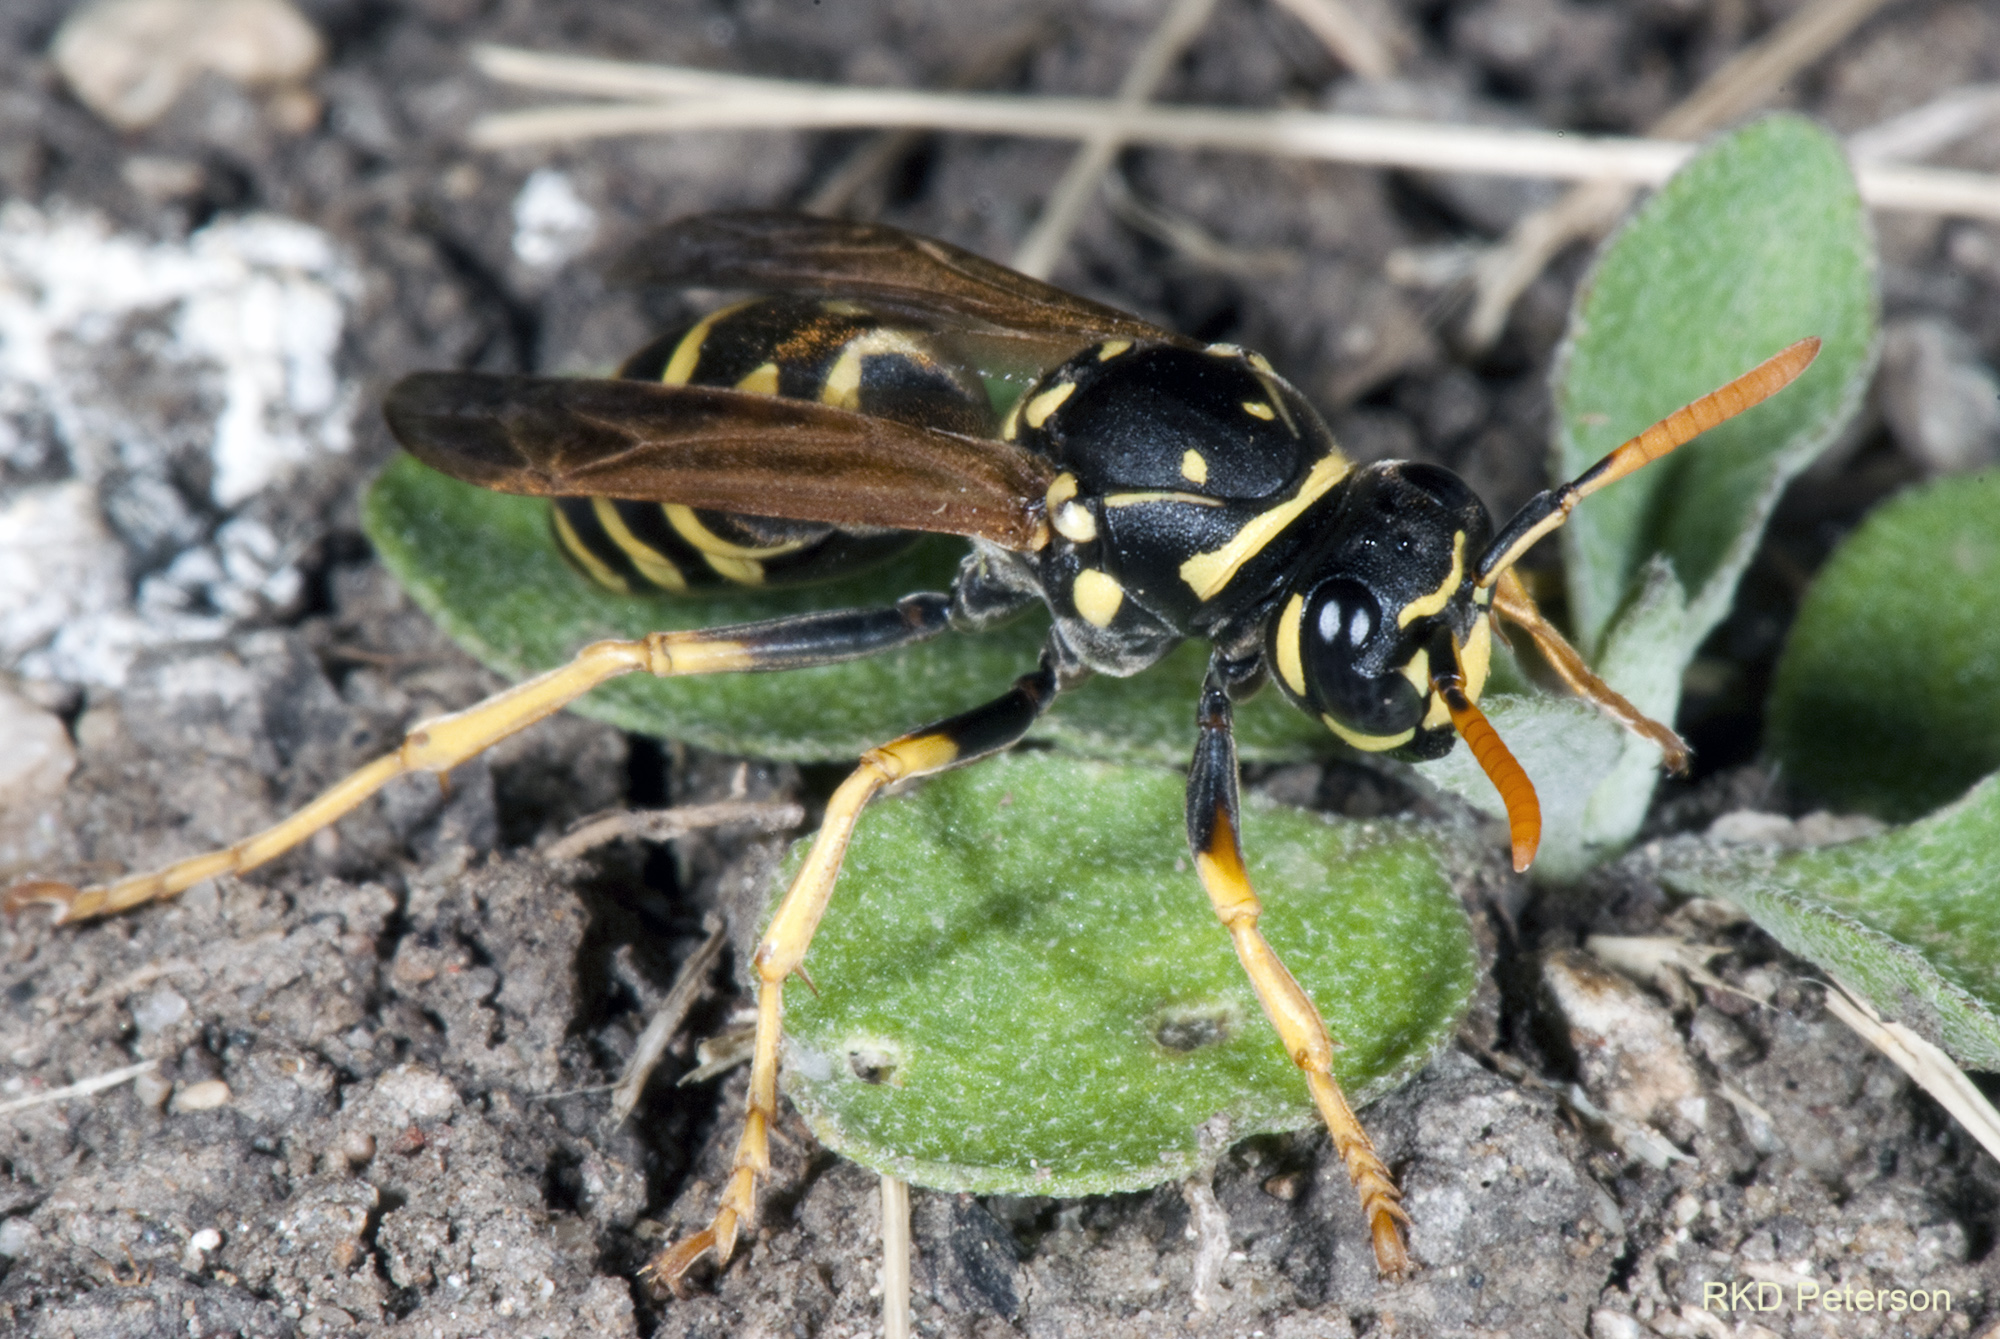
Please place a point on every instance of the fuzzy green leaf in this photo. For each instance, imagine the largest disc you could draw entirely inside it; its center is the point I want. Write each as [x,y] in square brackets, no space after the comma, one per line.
[1010,1000]
[483,565]
[1758,242]
[1887,696]
[1911,918]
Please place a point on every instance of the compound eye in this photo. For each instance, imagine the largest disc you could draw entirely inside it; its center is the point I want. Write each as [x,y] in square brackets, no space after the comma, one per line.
[1348,646]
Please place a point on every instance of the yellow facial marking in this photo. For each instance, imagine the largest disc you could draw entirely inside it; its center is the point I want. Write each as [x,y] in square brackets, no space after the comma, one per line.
[1207,573]
[1475,658]
[653,565]
[1437,599]
[1193,468]
[1038,410]
[572,544]
[1258,409]
[1368,743]
[1438,716]
[688,352]
[1097,596]
[1111,348]
[1062,489]
[842,389]
[762,381]
[1291,668]
[1417,669]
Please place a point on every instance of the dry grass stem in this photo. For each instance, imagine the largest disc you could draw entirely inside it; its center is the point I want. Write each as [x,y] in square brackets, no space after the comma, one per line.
[895,1258]
[866,167]
[89,1087]
[741,103]
[1939,123]
[663,825]
[1342,31]
[664,1024]
[1045,242]
[1746,82]
[1927,1065]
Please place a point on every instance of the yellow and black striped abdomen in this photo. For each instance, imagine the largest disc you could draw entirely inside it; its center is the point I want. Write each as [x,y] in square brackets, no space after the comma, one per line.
[833,352]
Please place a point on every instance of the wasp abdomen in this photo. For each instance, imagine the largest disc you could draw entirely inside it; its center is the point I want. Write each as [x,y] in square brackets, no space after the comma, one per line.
[836,353]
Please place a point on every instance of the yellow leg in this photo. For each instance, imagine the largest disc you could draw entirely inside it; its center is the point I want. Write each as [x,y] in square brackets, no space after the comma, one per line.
[1213,837]
[1512,601]
[441,744]
[972,734]
[1307,1041]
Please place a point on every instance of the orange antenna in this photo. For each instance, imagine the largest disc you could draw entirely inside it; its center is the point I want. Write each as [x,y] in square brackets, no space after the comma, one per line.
[1547,510]
[1524,807]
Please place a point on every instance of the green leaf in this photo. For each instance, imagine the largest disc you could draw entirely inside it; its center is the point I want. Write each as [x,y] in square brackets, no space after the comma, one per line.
[482,564]
[1911,918]
[1758,242]
[1013,999]
[1887,696]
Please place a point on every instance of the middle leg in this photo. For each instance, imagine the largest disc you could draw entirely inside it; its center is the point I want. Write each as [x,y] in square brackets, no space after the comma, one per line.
[960,739]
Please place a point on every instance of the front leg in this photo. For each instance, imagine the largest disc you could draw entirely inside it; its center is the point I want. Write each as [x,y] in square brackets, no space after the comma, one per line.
[1213,835]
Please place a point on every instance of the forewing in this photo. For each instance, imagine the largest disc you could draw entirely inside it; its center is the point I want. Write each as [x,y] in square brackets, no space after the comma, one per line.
[929,282]
[710,447]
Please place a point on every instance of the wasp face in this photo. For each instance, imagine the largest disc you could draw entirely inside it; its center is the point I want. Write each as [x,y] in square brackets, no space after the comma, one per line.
[1355,634]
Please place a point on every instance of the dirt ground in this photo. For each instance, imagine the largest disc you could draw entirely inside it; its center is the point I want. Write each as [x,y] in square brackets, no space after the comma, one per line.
[377,1103]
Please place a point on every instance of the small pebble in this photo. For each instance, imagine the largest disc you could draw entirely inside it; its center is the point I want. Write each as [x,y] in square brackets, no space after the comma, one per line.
[127,60]
[204,1096]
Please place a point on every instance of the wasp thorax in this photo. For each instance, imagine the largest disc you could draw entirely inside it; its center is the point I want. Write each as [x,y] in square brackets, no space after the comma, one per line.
[1351,640]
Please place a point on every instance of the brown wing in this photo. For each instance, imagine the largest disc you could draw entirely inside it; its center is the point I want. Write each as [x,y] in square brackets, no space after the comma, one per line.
[728,450]
[891,271]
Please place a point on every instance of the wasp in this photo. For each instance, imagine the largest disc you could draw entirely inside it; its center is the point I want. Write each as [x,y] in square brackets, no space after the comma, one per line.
[1144,487]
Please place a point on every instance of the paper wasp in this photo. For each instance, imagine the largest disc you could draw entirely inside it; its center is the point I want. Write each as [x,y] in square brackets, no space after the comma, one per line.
[1144,487]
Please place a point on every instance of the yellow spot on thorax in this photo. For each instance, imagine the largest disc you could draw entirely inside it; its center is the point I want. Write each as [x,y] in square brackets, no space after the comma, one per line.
[1038,409]
[1207,573]
[1193,467]
[1258,409]
[1097,596]
[1111,348]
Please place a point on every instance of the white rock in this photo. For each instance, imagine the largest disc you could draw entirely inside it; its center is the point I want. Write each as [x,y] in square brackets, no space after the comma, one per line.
[127,60]
[552,223]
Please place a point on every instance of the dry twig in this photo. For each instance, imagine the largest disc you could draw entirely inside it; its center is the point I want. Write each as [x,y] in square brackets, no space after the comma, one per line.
[678,100]
[1039,250]
[89,1087]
